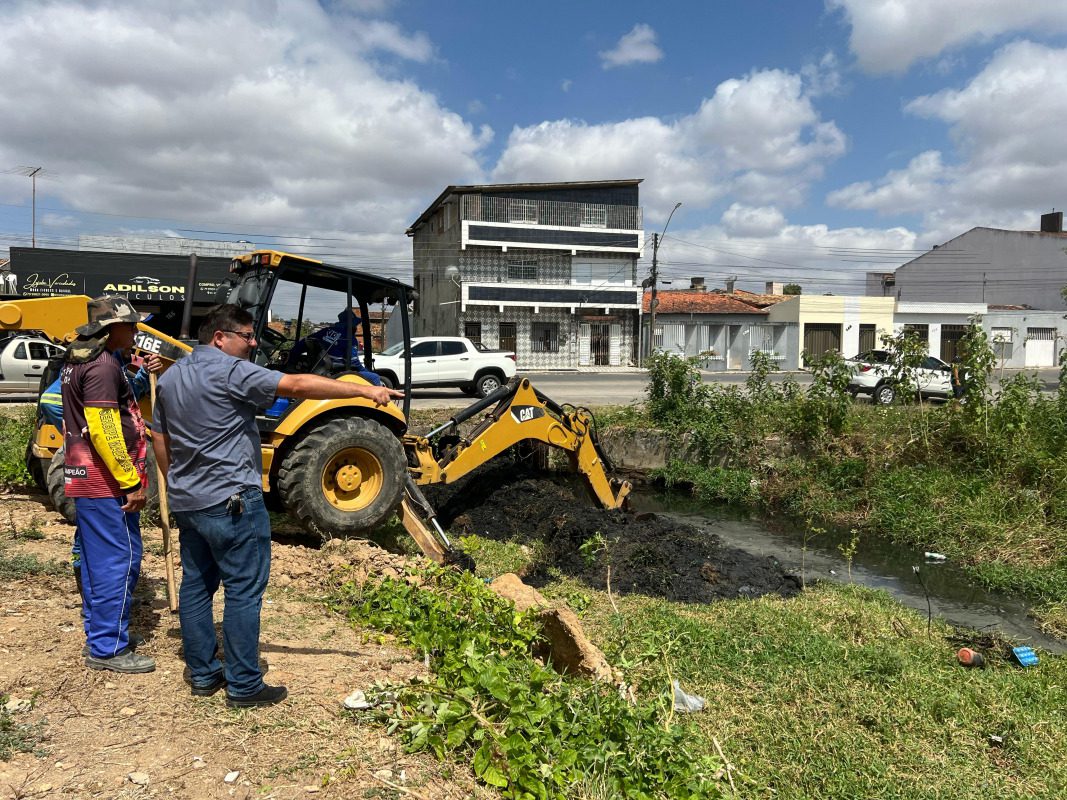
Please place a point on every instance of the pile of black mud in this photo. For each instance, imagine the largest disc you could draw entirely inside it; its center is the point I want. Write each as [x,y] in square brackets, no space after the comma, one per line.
[647,553]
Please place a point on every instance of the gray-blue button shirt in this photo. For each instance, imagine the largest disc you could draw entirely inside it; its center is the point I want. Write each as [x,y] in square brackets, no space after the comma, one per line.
[207,403]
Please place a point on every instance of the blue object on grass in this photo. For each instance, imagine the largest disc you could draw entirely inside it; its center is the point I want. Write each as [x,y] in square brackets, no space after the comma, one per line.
[1025,656]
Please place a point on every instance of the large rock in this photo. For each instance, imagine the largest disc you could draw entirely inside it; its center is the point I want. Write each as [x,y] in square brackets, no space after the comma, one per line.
[510,587]
[565,644]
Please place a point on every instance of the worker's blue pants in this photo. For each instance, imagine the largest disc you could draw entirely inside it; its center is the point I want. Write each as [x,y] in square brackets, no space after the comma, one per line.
[110,565]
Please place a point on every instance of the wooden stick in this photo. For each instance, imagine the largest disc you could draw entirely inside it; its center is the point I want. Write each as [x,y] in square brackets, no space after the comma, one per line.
[164,519]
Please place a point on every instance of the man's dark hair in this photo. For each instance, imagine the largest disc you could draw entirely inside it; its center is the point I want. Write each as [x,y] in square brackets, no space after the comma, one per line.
[225,317]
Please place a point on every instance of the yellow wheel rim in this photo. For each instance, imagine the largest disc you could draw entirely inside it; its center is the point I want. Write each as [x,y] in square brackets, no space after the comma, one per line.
[352,479]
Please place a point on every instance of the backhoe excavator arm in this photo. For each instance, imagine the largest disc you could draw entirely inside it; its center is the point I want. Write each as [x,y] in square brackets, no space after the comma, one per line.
[521,413]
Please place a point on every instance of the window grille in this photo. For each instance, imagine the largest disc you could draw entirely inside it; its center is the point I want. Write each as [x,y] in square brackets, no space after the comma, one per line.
[522,269]
[594,216]
[524,211]
[473,331]
[544,337]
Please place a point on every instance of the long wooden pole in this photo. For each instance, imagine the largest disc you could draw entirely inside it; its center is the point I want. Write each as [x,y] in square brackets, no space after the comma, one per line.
[164,519]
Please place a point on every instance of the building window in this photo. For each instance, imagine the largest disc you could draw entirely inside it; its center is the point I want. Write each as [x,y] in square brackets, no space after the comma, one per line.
[920,332]
[594,216]
[524,211]
[544,337]
[473,331]
[762,338]
[1002,342]
[522,269]
[507,336]
[602,272]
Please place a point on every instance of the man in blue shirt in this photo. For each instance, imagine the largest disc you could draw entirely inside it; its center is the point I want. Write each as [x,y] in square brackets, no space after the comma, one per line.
[207,444]
[330,342]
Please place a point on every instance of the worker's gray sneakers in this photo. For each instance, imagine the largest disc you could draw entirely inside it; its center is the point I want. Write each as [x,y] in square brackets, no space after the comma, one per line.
[136,640]
[127,661]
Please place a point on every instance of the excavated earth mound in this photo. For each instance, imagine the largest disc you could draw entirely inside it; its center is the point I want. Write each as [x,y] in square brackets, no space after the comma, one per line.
[647,553]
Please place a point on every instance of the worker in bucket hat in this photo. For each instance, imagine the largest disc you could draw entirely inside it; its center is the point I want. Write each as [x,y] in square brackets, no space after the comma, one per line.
[104,472]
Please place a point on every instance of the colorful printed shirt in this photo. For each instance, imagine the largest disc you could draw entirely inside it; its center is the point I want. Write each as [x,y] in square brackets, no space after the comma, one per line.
[104,436]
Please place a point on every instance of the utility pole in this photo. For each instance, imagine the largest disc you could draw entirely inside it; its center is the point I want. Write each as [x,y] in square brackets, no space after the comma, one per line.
[33,220]
[32,173]
[653,302]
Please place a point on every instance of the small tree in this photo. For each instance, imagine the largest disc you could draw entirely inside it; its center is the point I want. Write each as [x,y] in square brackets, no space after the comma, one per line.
[791,288]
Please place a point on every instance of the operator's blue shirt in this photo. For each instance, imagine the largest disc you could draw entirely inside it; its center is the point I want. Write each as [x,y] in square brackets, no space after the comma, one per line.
[207,403]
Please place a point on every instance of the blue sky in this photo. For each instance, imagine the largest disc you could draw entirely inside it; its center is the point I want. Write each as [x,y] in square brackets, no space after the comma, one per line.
[807,140]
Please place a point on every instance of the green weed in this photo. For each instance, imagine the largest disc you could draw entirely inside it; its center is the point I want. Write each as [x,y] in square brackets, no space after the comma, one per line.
[18,737]
[526,729]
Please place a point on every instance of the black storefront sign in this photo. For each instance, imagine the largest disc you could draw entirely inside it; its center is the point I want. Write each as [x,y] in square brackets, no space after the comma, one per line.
[147,278]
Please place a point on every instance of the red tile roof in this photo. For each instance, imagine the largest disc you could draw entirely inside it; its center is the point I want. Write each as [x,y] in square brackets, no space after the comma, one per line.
[686,301]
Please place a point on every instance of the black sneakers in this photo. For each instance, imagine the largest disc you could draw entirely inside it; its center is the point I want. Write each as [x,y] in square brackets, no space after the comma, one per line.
[210,689]
[267,696]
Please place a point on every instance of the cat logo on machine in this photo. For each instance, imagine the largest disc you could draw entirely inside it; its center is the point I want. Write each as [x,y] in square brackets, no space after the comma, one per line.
[527,413]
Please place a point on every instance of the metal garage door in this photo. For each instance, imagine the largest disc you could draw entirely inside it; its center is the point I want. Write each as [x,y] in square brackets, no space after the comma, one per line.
[1040,347]
[821,337]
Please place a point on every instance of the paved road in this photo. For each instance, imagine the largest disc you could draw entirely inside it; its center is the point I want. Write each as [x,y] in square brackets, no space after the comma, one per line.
[597,389]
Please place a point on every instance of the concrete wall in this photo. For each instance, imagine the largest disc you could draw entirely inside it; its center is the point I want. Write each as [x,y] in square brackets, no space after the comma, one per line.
[435,248]
[986,265]
[1011,335]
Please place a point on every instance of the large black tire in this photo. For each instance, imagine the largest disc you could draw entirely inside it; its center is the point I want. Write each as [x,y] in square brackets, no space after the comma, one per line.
[884,394]
[65,505]
[54,477]
[487,383]
[344,478]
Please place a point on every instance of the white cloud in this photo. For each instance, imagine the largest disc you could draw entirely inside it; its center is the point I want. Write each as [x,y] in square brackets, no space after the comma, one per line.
[252,113]
[566,84]
[891,35]
[636,47]
[741,220]
[1007,124]
[758,137]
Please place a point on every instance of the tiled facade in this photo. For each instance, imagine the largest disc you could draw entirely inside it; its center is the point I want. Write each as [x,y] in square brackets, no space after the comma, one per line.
[538,292]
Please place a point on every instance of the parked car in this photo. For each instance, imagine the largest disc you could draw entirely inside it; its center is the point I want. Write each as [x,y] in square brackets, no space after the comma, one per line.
[22,362]
[447,361]
[872,375]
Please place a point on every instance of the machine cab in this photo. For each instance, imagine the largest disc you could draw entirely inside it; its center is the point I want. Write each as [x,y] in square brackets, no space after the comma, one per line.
[316,317]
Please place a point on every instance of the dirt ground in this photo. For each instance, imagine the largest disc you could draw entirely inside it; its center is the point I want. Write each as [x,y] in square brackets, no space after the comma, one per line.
[645,553]
[146,736]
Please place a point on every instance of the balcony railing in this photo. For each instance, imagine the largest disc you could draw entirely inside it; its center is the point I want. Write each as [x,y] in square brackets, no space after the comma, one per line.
[480,208]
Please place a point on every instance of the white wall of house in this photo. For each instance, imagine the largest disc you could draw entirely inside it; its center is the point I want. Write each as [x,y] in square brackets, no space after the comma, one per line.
[1026,338]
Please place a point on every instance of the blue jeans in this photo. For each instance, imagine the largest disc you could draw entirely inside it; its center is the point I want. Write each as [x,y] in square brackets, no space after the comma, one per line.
[234,550]
[110,565]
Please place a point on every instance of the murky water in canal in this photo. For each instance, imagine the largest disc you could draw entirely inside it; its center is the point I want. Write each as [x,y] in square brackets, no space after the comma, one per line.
[878,564]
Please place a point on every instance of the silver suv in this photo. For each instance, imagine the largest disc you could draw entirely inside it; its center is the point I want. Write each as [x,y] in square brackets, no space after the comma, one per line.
[872,375]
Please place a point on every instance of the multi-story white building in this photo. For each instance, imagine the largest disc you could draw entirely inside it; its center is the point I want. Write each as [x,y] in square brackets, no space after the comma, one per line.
[548,270]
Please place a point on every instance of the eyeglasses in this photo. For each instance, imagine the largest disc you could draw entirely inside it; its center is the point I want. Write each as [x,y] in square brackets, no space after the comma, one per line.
[248,336]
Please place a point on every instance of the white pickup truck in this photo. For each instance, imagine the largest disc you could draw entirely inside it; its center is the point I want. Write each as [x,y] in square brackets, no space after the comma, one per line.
[22,363]
[447,361]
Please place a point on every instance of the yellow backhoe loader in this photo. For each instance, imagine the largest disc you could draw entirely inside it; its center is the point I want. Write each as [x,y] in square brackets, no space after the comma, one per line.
[342,467]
